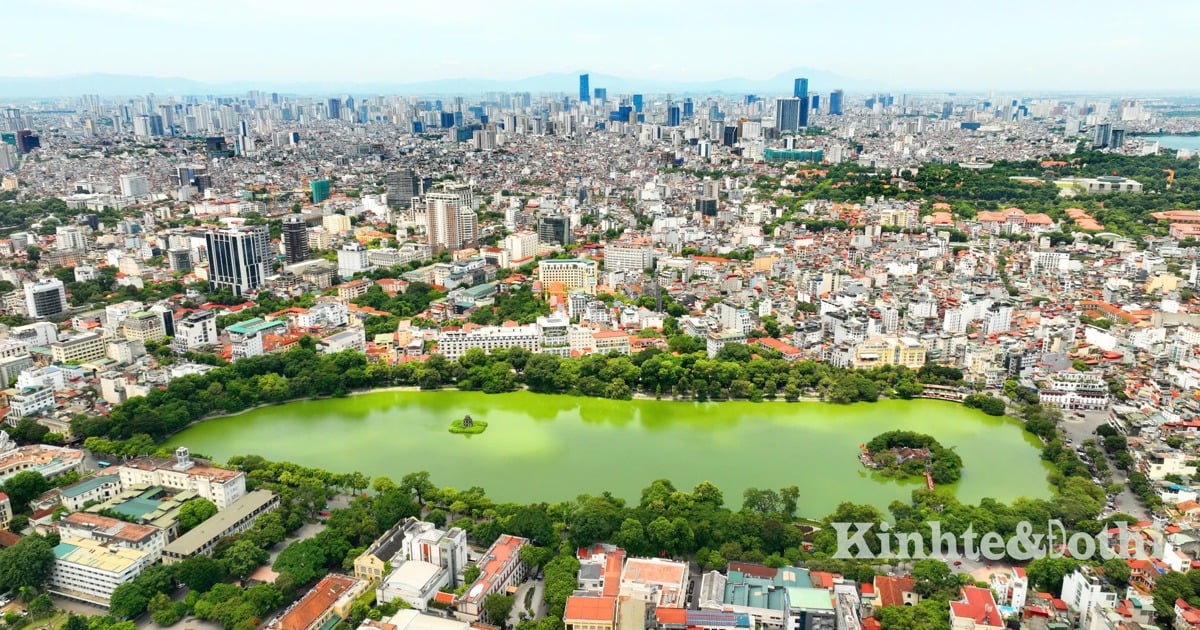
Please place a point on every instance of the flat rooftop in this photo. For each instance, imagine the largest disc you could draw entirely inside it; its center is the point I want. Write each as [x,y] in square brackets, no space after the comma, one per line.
[189,543]
[94,555]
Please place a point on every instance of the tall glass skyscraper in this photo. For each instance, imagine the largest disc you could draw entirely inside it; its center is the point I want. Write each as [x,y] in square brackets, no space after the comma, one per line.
[800,91]
[585,94]
[237,257]
[637,103]
[787,114]
[835,102]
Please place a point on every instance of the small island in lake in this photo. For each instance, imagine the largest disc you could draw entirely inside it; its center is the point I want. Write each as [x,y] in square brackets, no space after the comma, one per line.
[909,454]
[468,426]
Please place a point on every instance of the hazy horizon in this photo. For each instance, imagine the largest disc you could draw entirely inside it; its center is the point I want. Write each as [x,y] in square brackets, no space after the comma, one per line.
[935,45]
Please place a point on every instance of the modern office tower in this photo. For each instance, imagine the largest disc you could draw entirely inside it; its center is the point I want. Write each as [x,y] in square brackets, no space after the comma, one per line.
[320,190]
[69,237]
[637,103]
[193,175]
[601,94]
[402,186]
[1101,135]
[836,98]
[689,109]
[45,298]
[1117,139]
[729,137]
[334,107]
[180,260]
[134,186]
[295,238]
[816,103]
[800,91]
[237,257]
[585,93]
[27,141]
[451,222]
[673,116]
[787,115]
[141,126]
[555,229]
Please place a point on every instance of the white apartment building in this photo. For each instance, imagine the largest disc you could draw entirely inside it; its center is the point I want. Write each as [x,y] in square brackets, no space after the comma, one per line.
[332,314]
[352,259]
[113,533]
[998,318]
[627,256]
[353,338]
[733,318]
[69,237]
[521,245]
[556,334]
[196,330]
[23,403]
[1083,589]
[89,570]
[955,320]
[219,485]
[134,186]
[453,344]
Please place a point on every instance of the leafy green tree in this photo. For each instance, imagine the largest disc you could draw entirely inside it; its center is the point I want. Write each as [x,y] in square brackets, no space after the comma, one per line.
[26,564]
[243,557]
[24,487]
[471,574]
[128,601]
[194,512]
[200,573]
[496,608]
[304,560]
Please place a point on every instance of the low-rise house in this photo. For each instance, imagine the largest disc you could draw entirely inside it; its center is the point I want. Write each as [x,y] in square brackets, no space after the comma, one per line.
[330,598]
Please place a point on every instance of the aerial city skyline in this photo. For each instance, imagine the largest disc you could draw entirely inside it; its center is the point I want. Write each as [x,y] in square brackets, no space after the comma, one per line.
[620,315]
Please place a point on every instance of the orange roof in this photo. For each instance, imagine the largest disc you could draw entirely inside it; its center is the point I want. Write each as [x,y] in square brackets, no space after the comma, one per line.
[595,609]
[891,589]
[977,605]
[323,596]
[676,616]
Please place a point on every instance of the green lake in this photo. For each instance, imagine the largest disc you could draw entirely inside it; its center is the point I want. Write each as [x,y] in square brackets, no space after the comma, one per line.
[552,448]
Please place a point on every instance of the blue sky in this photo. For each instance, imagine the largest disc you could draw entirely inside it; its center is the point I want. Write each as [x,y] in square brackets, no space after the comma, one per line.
[962,44]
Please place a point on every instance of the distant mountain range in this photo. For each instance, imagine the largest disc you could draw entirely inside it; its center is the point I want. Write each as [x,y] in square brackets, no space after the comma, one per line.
[819,81]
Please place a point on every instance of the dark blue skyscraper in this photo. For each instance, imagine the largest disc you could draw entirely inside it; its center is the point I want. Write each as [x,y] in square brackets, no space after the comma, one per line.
[637,103]
[600,94]
[673,116]
[335,109]
[816,103]
[800,91]
[835,102]
[800,88]
[688,108]
[585,93]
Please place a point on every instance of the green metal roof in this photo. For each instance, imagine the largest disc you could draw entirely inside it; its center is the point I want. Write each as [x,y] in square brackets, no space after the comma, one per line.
[251,326]
[87,485]
[810,598]
[137,507]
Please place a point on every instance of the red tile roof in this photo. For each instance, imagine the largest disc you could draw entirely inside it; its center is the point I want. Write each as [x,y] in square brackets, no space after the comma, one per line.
[323,596]
[978,605]
[593,609]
